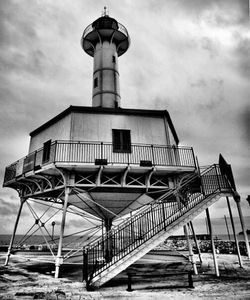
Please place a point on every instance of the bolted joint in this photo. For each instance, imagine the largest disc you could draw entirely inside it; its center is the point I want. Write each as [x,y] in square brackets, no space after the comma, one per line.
[59,261]
[236,196]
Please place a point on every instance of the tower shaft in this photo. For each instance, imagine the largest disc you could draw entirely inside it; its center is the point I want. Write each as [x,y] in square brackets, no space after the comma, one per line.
[106,87]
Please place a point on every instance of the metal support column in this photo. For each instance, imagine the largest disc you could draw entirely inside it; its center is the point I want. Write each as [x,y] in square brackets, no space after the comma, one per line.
[108,244]
[237,200]
[217,273]
[59,258]
[191,254]
[234,232]
[14,231]
[196,241]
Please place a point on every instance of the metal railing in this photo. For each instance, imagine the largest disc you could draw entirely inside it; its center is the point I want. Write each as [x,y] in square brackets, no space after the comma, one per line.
[121,240]
[89,152]
[90,28]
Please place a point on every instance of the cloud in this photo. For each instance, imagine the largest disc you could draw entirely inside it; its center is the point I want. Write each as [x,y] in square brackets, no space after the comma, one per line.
[245,120]
[218,12]
[189,57]
[243,53]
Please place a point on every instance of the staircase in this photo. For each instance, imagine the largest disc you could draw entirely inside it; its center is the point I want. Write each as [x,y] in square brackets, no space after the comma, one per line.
[124,244]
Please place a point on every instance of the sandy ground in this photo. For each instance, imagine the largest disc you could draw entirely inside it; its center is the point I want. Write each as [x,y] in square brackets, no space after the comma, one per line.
[28,279]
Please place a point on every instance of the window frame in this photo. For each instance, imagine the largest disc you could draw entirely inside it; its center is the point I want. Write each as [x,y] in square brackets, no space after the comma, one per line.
[122,135]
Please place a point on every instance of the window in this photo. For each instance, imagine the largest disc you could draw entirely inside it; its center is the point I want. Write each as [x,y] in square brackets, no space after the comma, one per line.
[96,82]
[46,151]
[113,59]
[121,140]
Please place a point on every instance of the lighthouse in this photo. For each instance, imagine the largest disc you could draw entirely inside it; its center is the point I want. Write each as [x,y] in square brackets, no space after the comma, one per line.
[123,168]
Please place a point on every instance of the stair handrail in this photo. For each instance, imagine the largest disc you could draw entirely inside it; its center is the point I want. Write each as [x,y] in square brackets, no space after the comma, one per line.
[147,206]
[153,208]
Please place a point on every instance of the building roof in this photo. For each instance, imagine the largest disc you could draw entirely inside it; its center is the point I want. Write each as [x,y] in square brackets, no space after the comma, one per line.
[103,110]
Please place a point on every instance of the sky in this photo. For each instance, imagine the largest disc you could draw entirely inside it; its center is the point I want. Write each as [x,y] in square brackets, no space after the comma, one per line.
[189,57]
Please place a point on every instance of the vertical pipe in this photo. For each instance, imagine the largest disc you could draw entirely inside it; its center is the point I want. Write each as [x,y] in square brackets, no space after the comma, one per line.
[108,244]
[237,200]
[14,231]
[234,232]
[59,258]
[212,244]
[190,250]
[196,241]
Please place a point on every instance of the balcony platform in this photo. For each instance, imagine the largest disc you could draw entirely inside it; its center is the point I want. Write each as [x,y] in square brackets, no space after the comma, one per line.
[99,177]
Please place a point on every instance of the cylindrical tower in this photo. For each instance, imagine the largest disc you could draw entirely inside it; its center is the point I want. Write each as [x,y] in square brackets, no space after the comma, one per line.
[105,40]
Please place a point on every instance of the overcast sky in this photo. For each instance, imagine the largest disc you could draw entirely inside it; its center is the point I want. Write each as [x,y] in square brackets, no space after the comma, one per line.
[191,57]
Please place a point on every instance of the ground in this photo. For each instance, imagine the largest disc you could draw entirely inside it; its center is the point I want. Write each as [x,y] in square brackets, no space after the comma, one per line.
[28,279]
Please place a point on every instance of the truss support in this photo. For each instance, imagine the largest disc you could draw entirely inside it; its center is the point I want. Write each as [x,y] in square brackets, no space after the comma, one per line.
[237,200]
[217,273]
[190,250]
[14,231]
[59,258]
[234,232]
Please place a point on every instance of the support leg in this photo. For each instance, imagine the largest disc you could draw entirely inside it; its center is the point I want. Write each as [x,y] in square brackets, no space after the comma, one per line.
[196,241]
[59,258]
[234,232]
[212,244]
[14,231]
[237,200]
[191,254]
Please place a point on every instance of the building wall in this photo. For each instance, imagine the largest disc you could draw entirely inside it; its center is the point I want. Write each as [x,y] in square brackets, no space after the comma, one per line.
[98,127]
[57,131]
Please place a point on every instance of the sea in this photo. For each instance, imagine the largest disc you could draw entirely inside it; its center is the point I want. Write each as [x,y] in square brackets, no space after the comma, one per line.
[77,240]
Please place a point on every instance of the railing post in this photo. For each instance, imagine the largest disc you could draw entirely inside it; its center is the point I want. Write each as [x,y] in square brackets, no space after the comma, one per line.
[101,150]
[132,228]
[164,216]
[217,176]
[194,160]
[55,151]
[153,158]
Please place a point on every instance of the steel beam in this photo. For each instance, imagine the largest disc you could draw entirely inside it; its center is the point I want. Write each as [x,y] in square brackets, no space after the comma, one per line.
[217,273]
[237,200]
[190,250]
[59,258]
[234,232]
[14,231]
